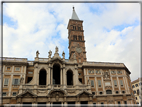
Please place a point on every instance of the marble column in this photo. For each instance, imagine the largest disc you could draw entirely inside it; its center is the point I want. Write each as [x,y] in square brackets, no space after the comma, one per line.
[119,85]
[48,76]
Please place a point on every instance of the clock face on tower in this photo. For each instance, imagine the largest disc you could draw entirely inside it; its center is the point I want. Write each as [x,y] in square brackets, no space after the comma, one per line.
[78,50]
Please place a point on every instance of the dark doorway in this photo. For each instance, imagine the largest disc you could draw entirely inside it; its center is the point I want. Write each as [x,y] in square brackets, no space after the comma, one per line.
[42,77]
[41,104]
[27,104]
[57,104]
[29,79]
[69,78]
[84,103]
[71,104]
[56,74]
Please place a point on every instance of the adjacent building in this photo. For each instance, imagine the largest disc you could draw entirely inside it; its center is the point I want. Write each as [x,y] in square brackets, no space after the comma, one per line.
[56,80]
[137,88]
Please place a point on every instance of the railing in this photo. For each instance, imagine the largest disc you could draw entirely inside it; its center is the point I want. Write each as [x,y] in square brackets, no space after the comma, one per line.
[28,86]
[104,63]
[30,62]
[15,86]
[70,86]
[43,59]
[41,86]
[14,59]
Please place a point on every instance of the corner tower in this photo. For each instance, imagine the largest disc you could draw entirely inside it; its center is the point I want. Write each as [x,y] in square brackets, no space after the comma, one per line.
[76,38]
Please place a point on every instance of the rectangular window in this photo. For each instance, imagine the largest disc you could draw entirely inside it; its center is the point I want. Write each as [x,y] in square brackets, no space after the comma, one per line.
[16,82]
[74,37]
[30,72]
[80,38]
[92,83]
[4,94]
[121,82]
[14,93]
[17,68]
[99,83]
[6,81]
[8,68]
[115,83]
[125,102]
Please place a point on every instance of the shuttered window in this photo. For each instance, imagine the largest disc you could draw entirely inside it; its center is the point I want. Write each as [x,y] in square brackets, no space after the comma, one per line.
[92,83]
[121,82]
[16,82]
[115,83]
[99,83]
[6,81]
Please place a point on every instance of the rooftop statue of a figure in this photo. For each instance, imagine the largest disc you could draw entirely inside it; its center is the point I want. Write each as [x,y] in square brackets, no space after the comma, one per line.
[37,53]
[56,49]
[21,80]
[63,54]
[50,53]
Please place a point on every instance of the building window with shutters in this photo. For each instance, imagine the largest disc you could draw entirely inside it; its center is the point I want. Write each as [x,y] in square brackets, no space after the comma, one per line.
[6,80]
[121,83]
[115,83]
[92,83]
[16,82]
[99,83]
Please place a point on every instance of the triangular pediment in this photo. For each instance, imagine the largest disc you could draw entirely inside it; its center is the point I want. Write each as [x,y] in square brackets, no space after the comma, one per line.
[84,93]
[27,94]
[56,59]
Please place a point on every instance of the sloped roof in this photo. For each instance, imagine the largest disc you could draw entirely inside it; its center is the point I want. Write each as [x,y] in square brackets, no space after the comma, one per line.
[74,15]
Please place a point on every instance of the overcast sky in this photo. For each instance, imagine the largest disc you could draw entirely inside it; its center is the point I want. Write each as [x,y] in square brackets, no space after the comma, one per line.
[111,30]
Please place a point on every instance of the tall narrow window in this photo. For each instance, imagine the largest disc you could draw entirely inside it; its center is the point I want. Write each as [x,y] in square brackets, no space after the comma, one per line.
[99,83]
[6,82]
[74,27]
[74,37]
[80,38]
[79,28]
[16,82]
[121,82]
[92,83]
[115,83]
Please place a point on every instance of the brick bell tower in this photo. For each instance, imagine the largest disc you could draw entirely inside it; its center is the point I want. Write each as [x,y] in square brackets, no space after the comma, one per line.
[76,38]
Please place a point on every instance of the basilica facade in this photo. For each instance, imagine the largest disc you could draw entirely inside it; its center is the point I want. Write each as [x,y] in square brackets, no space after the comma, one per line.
[56,80]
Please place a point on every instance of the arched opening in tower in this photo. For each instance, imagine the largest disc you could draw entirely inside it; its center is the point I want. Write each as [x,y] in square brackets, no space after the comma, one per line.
[69,77]
[42,77]
[56,74]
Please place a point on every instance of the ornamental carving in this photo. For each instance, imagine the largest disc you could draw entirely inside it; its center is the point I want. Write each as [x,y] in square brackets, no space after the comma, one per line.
[106,75]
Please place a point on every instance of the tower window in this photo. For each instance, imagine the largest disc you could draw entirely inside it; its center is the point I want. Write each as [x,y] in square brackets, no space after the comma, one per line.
[79,38]
[74,27]
[79,28]
[74,37]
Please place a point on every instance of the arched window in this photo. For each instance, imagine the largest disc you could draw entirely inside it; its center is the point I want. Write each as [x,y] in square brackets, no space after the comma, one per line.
[56,74]
[108,92]
[42,77]
[69,77]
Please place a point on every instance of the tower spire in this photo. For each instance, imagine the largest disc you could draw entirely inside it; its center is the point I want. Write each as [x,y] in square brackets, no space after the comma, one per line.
[74,15]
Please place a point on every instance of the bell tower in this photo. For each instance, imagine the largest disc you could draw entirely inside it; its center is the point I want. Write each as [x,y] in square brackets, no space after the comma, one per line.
[76,38]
